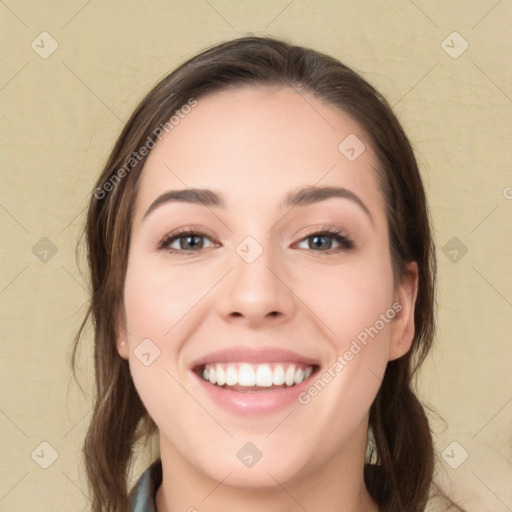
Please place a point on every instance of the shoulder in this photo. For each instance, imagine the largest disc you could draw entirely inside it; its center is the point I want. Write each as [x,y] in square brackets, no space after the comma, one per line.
[142,496]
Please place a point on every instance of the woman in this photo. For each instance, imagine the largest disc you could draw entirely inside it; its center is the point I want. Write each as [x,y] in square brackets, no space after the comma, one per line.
[262,293]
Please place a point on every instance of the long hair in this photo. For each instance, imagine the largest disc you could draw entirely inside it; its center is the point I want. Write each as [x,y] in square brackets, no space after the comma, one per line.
[399,472]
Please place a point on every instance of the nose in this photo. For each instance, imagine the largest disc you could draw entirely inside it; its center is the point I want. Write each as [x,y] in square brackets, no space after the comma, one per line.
[257,293]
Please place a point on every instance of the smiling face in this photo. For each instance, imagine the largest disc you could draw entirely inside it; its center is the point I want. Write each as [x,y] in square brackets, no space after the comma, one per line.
[284,275]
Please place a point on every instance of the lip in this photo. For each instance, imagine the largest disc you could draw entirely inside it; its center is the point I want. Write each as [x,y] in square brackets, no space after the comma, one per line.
[257,403]
[258,355]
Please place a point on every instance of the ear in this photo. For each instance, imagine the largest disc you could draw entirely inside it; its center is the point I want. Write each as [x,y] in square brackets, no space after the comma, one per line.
[402,330]
[122,347]
[122,338]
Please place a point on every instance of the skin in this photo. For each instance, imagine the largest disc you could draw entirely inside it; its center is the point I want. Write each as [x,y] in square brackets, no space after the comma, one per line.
[255,145]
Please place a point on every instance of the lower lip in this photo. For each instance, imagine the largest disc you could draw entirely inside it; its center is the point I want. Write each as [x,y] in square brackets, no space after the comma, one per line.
[264,402]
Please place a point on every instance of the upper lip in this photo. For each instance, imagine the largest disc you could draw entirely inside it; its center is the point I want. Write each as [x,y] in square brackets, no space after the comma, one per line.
[253,355]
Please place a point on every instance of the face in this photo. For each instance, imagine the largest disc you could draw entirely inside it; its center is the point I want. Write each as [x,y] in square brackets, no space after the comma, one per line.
[260,309]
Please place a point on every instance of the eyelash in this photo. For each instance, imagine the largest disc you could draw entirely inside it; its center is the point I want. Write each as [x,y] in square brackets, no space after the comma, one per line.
[343,240]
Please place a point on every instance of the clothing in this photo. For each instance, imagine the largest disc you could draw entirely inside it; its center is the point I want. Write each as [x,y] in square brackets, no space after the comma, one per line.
[143,495]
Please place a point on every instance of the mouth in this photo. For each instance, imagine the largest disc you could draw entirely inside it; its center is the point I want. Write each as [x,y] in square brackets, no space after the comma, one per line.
[253,381]
[244,377]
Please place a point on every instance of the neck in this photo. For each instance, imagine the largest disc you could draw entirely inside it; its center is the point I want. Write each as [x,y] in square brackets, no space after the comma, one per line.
[334,485]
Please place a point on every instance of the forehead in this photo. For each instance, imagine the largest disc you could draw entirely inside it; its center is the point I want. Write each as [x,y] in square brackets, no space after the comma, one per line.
[256,144]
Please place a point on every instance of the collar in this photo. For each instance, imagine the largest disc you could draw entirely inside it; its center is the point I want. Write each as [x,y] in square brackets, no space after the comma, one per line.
[143,495]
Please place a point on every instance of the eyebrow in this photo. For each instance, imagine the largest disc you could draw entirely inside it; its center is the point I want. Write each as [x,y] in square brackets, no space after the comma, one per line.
[302,197]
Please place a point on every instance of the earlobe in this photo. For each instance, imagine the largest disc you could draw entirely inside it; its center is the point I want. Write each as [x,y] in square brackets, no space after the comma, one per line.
[122,348]
[121,338]
[403,329]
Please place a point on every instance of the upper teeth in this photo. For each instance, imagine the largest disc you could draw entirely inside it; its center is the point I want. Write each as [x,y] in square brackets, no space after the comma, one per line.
[245,374]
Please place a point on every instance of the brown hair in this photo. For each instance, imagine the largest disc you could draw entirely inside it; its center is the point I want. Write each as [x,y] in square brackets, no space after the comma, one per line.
[399,471]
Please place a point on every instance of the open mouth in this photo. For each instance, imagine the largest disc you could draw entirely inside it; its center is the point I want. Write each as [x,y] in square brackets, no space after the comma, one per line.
[255,378]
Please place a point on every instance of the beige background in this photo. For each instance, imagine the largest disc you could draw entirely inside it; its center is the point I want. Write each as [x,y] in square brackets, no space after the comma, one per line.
[61,115]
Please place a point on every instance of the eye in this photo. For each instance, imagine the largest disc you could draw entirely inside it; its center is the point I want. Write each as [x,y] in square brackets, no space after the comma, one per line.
[190,240]
[185,240]
[322,241]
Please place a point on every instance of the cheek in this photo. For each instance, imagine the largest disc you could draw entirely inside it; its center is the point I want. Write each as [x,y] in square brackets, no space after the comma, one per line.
[161,305]
[348,298]
[355,306]
[157,297]
[154,302]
